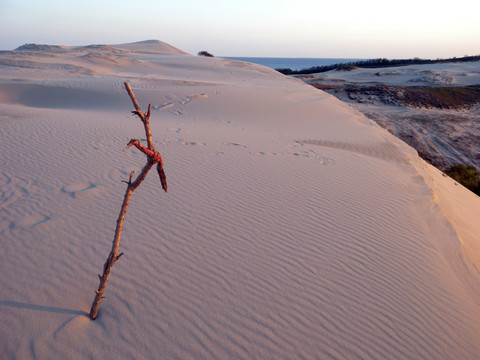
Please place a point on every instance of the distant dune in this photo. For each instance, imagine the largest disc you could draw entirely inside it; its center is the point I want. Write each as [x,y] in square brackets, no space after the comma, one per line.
[152,46]
[294,227]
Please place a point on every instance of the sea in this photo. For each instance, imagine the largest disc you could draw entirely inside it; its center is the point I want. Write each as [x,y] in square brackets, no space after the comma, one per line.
[292,63]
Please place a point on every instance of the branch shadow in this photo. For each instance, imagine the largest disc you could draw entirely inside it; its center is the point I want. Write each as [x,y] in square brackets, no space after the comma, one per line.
[20,305]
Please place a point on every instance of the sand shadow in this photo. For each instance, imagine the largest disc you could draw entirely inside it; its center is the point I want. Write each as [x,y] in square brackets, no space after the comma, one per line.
[20,305]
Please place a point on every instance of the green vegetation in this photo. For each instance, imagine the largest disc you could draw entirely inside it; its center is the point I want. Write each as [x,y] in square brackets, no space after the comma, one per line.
[376,63]
[346,67]
[467,175]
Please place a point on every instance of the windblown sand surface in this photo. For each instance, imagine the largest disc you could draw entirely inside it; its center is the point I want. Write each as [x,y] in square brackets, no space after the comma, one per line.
[294,227]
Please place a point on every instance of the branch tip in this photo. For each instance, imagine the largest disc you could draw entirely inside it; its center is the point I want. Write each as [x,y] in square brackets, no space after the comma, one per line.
[130,143]
[132,96]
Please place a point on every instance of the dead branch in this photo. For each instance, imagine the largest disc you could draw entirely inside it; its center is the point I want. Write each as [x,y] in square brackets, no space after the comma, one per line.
[153,157]
[145,117]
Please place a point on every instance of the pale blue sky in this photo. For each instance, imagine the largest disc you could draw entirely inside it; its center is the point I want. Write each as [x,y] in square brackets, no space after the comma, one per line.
[276,28]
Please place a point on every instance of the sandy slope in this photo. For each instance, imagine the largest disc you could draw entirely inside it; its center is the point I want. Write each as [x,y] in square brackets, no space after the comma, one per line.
[442,136]
[294,227]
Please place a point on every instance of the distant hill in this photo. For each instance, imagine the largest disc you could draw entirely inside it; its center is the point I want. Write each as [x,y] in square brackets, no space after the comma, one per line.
[152,46]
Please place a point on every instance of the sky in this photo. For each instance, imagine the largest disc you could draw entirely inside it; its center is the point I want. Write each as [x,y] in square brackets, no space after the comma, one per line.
[256,28]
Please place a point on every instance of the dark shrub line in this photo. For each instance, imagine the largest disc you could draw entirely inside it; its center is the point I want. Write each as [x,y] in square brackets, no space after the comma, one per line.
[375,63]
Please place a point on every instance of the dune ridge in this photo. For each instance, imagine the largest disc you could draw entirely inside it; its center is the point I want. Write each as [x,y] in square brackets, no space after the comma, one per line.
[294,227]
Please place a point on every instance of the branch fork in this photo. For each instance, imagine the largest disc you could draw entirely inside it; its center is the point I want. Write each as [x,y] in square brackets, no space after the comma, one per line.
[153,155]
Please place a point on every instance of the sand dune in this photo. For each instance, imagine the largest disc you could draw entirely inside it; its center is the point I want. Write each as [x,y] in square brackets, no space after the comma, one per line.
[294,227]
[152,47]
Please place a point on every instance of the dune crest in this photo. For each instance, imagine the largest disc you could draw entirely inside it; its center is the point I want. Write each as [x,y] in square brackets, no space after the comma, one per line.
[294,227]
[152,46]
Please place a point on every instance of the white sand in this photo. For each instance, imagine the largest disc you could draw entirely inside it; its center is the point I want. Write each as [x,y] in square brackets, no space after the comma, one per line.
[294,227]
[440,74]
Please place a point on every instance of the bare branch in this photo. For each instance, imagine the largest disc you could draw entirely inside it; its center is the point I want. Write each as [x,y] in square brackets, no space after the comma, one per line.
[153,157]
[163,178]
[132,96]
[141,176]
[144,117]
